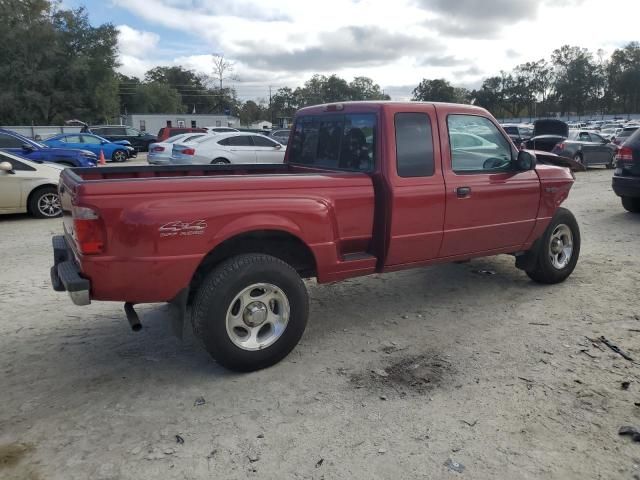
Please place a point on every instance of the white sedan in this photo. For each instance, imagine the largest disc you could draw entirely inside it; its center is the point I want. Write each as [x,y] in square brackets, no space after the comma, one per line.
[27,186]
[160,152]
[238,147]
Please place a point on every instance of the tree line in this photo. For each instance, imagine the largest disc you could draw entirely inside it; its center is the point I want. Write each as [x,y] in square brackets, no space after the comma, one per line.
[573,81]
[56,66]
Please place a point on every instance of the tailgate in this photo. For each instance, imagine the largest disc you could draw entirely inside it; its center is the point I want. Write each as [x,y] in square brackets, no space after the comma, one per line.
[67,189]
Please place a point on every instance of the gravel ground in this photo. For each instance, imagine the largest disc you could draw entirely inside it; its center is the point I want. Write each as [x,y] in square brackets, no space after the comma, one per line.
[396,374]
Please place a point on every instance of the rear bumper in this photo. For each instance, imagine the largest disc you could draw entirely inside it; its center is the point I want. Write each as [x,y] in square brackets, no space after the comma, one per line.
[65,273]
[626,186]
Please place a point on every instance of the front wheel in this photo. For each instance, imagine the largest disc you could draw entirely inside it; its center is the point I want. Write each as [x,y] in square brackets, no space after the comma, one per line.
[631,204]
[250,311]
[558,249]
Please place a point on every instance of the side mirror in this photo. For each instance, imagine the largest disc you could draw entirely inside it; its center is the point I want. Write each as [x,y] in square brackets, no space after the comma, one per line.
[525,161]
[6,167]
[103,142]
[278,146]
[606,140]
[27,148]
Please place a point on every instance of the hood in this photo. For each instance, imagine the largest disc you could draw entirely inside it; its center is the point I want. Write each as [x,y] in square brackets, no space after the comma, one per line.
[550,126]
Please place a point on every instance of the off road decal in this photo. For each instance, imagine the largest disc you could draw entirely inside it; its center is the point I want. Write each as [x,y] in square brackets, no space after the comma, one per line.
[182,229]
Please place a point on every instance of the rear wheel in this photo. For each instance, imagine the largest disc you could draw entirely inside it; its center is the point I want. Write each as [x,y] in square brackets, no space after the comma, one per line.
[45,203]
[220,161]
[119,156]
[580,159]
[612,162]
[558,249]
[250,311]
[631,204]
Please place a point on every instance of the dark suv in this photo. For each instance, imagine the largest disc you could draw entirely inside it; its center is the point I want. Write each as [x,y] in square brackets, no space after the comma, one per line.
[139,140]
[626,176]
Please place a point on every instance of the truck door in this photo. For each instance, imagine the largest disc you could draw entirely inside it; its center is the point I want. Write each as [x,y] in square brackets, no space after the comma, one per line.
[489,205]
[415,203]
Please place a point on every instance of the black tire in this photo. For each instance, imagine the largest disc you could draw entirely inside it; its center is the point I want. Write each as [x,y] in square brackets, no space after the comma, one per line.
[580,159]
[544,270]
[220,161]
[119,156]
[612,162]
[631,204]
[45,203]
[215,299]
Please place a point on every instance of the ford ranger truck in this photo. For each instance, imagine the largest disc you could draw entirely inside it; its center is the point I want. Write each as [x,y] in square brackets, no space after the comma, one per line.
[366,187]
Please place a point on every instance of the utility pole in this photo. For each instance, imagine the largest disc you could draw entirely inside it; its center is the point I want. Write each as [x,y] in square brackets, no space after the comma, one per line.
[270,108]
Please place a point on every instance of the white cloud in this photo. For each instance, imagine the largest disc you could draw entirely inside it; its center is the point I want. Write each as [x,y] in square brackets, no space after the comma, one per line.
[135,42]
[396,44]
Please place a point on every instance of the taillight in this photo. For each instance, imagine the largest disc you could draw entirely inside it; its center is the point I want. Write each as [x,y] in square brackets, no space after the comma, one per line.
[560,146]
[87,230]
[188,151]
[625,154]
[158,149]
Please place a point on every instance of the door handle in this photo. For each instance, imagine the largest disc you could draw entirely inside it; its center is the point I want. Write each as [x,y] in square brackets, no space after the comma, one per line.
[463,192]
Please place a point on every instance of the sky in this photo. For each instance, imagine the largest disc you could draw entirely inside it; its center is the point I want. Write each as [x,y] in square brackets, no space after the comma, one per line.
[396,43]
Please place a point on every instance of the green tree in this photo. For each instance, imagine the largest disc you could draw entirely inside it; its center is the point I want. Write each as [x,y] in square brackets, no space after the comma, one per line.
[438,90]
[55,65]
[623,75]
[576,82]
[154,97]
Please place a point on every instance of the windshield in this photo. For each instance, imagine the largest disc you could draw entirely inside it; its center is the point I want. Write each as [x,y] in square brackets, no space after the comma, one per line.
[336,141]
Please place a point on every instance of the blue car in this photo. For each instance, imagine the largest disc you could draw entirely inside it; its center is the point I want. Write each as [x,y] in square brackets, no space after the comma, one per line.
[25,147]
[113,151]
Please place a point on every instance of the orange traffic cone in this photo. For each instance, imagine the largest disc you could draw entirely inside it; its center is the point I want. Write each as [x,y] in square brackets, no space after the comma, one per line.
[102,161]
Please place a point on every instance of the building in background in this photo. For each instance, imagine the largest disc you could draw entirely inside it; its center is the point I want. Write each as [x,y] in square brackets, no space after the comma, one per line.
[153,122]
[261,125]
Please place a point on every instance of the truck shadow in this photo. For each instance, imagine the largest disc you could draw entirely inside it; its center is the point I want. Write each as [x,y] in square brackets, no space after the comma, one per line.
[103,343]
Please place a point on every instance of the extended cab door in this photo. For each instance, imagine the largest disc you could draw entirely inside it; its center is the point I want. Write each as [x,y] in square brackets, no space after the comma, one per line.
[489,205]
[416,200]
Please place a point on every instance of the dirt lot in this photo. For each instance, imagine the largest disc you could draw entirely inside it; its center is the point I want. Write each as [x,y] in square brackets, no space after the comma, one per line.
[395,375]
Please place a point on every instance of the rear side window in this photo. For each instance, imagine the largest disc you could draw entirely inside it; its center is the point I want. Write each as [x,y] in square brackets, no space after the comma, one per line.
[238,141]
[414,145]
[344,142]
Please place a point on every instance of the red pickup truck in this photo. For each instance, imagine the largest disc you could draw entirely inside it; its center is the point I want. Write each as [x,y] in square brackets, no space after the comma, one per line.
[366,187]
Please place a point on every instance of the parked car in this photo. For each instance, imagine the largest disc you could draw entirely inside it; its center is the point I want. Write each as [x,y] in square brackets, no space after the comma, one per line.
[233,242]
[113,151]
[518,133]
[114,133]
[27,186]
[238,147]
[168,132]
[587,148]
[281,136]
[221,129]
[626,176]
[624,134]
[160,152]
[610,133]
[30,149]
[547,133]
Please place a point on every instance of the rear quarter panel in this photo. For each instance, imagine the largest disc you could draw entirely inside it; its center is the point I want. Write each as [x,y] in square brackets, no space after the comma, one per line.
[159,230]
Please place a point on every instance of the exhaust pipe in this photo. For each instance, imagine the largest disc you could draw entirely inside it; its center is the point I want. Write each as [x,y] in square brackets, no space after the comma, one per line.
[132,316]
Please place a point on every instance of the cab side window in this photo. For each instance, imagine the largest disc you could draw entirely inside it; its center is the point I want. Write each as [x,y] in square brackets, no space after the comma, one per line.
[477,145]
[414,145]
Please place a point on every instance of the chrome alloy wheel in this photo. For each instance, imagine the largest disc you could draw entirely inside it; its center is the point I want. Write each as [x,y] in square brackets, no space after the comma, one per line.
[257,316]
[560,246]
[49,205]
